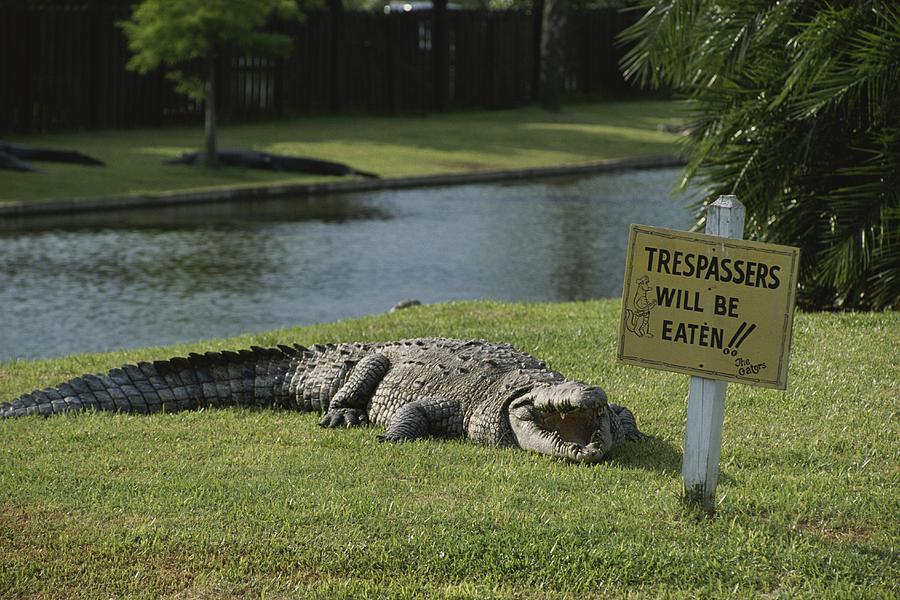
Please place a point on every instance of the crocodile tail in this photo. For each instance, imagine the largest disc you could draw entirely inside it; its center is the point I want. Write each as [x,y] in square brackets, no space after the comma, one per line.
[255,377]
[629,423]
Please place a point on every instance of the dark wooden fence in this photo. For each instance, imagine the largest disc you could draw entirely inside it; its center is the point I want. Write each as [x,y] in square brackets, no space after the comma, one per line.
[62,65]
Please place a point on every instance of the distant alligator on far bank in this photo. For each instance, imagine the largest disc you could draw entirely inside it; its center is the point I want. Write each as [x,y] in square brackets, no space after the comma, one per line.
[15,157]
[254,159]
[488,392]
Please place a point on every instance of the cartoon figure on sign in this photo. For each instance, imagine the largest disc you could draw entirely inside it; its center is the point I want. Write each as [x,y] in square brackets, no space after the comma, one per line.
[637,321]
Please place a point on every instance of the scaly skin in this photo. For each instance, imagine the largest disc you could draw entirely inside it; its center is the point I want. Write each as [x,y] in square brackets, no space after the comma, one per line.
[488,392]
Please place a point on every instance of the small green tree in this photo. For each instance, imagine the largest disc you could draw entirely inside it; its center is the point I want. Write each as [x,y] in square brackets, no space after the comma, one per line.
[796,111]
[186,37]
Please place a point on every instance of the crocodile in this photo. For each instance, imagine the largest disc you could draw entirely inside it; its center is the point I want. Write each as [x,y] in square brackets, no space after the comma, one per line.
[15,157]
[490,393]
[254,159]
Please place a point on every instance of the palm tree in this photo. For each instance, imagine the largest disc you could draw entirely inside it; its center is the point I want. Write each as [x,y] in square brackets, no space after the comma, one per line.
[796,110]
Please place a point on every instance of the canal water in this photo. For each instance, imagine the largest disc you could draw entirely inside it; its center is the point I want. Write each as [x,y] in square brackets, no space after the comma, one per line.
[138,278]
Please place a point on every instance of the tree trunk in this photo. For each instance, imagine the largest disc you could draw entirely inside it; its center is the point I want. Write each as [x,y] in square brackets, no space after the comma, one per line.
[552,40]
[537,21]
[336,10]
[440,38]
[212,158]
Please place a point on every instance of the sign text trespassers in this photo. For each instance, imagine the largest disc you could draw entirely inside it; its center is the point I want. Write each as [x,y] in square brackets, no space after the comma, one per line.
[709,306]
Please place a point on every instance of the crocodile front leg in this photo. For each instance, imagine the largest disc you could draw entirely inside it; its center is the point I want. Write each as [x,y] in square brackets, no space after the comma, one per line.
[432,416]
[348,406]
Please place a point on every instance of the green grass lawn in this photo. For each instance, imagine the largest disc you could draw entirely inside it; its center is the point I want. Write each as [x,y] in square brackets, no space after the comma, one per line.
[251,504]
[389,146]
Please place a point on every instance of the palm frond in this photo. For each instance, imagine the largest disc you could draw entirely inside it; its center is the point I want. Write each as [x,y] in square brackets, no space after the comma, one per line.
[796,110]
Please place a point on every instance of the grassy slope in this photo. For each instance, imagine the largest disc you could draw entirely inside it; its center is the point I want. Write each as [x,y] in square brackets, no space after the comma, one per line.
[243,504]
[389,146]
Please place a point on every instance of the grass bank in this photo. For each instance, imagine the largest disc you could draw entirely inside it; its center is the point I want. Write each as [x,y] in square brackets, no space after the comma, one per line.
[235,504]
[400,146]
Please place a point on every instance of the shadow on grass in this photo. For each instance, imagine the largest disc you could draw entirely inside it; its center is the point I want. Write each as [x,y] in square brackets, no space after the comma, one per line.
[652,454]
[627,127]
[517,138]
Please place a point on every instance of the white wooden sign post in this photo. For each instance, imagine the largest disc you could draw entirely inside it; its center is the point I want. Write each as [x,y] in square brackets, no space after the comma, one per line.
[706,398]
[714,307]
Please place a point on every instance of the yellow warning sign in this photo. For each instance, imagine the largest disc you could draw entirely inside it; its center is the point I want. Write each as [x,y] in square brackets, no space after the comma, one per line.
[709,306]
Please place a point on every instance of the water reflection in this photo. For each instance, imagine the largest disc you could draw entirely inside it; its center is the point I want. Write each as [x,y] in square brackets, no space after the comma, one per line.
[136,278]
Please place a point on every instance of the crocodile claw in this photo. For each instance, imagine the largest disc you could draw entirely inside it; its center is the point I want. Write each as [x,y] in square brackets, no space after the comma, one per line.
[345,417]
